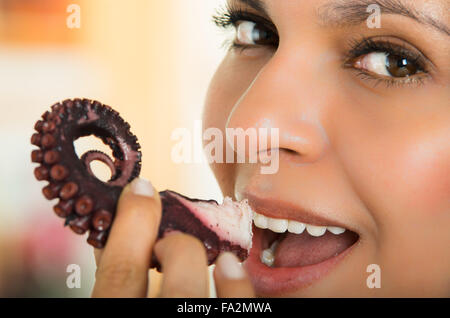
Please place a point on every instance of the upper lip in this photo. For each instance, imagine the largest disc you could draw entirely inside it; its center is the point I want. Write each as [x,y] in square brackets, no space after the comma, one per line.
[279,209]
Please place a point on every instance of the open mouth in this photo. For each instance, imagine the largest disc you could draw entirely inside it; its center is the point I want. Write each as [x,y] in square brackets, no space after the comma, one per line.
[289,243]
[288,254]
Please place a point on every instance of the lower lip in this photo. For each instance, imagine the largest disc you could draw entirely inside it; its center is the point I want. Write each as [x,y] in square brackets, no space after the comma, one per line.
[277,281]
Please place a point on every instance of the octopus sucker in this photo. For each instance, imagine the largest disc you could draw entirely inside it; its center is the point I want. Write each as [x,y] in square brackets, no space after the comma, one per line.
[51,157]
[88,204]
[64,208]
[70,179]
[51,191]
[37,156]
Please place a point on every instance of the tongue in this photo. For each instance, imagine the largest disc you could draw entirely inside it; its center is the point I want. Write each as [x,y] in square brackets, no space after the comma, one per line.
[301,250]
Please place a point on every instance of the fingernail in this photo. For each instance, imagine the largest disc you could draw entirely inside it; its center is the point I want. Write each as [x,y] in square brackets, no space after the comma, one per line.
[143,187]
[229,266]
[169,233]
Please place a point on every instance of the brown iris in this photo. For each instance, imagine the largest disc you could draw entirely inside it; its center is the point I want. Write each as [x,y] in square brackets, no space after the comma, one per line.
[264,36]
[399,66]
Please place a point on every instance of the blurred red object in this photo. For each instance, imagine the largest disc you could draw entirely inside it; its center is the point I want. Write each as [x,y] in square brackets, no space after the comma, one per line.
[46,244]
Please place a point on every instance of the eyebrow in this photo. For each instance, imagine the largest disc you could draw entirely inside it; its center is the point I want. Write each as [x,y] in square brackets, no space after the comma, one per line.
[340,13]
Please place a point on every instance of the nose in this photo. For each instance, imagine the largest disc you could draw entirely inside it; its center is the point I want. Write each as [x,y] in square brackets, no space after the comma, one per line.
[279,97]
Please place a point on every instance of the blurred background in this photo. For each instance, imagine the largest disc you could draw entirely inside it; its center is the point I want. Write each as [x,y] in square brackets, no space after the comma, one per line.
[150,60]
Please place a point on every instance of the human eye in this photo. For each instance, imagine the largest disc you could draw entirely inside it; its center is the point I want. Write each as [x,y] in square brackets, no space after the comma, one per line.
[380,59]
[387,62]
[250,30]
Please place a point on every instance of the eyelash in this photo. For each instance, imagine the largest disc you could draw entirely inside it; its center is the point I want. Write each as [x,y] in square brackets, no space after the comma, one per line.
[230,15]
[363,45]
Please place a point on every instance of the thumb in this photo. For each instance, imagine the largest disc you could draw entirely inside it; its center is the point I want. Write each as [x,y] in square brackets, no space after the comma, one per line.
[231,279]
[139,195]
[130,242]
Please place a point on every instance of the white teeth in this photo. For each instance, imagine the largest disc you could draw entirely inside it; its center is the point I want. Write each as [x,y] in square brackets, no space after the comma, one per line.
[260,221]
[283,225]
[314,230]
[335,229]
[277,225]
[268,255]
[296,227]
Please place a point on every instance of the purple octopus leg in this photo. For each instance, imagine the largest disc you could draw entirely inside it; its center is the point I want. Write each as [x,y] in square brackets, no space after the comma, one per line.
[88,204]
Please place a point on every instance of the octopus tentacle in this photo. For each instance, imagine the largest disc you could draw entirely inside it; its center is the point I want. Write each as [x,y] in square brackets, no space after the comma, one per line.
[70,178]
[89,205]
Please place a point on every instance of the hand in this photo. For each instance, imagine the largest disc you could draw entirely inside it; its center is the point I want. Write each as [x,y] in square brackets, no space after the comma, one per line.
[122,266]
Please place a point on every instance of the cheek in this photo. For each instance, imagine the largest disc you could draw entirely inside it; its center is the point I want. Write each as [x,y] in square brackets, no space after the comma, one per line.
[411,178]
[223,92]
[425,172]
[416,212]
[229,83]
[398,161]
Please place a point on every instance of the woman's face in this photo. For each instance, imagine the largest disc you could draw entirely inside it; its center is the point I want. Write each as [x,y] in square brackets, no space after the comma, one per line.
[363,115]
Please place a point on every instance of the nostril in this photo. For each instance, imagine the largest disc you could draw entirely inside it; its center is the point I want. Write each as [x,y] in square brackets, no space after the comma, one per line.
[304,142]
[293,156]
[290,151]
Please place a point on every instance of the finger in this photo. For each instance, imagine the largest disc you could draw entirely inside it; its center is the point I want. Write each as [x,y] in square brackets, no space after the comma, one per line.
[98,252]
[184,265]
[231,279]
[124,264]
